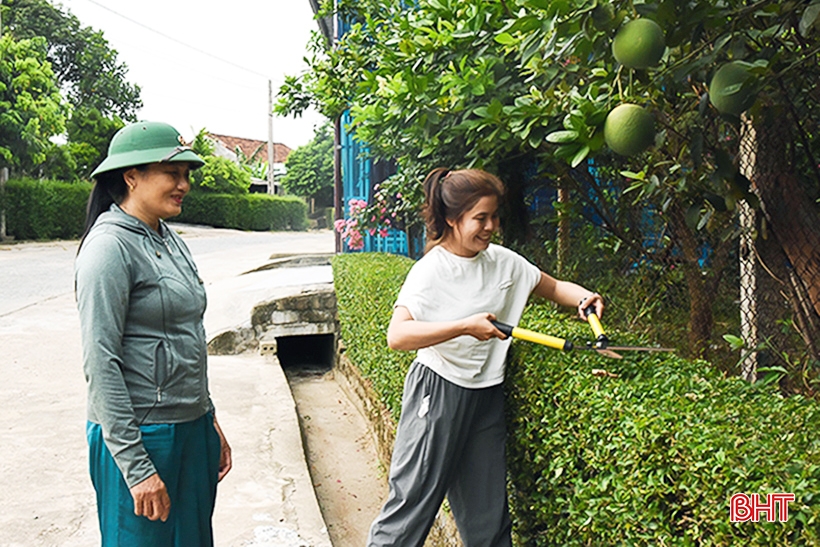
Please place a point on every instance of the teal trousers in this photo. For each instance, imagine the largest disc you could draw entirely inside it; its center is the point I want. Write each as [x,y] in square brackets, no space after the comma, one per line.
[186,456]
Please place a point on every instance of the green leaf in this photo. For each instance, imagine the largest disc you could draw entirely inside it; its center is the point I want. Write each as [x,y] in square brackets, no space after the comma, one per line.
[580,156]
[725,167]
[566,151]
[722,41]
[705,219]
[482,112]
[781,370]
[692,216]
[809,19]
[562,137]
[734,342]
[505,39]
[633,175]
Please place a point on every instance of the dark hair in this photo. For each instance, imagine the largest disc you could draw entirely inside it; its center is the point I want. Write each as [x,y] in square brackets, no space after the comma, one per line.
[450,194]
[109,188]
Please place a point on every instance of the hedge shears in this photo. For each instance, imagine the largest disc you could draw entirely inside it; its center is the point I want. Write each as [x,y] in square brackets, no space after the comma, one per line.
[601,343]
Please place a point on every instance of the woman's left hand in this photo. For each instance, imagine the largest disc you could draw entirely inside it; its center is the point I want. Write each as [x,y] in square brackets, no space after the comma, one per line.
[225,461]
[595,301]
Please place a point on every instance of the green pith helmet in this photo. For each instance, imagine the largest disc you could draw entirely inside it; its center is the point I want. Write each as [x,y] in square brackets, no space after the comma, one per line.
[146,142]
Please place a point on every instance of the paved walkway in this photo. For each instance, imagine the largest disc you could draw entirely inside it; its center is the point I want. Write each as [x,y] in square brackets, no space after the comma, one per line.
[266,501]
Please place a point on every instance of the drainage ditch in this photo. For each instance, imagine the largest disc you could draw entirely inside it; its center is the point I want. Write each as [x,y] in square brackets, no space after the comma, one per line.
[312,354]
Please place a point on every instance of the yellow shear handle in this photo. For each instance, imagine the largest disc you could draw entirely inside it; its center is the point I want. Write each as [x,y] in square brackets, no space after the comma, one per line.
[532,336]
[538,338]
[595,323]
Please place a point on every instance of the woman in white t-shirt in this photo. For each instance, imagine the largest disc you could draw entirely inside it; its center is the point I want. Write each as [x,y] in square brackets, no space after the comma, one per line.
[451,434]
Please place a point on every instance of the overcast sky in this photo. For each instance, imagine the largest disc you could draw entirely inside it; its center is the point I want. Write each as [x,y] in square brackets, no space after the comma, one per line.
[190,87]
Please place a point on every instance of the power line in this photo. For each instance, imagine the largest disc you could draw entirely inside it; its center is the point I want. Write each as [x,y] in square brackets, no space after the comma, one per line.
[231,63]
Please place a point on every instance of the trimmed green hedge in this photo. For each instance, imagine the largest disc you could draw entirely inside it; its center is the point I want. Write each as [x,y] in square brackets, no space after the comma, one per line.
[650,457]
[259,212]
[46,209]
[41,210]
[367,285]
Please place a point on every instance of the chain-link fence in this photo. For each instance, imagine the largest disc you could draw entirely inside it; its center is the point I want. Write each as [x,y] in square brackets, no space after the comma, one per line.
[779,256]
[689,288]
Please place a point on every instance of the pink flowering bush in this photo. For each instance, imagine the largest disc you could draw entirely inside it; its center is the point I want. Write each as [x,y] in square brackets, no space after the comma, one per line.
[350,228]
[394,205]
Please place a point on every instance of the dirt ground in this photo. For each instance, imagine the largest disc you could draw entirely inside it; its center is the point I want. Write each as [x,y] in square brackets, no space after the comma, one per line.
[350,483]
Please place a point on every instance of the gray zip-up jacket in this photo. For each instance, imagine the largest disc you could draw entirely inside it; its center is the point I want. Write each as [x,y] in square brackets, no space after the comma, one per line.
[141,303]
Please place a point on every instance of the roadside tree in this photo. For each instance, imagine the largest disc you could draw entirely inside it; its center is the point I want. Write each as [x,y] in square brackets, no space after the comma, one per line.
[31,109]
[89,75]
[84,64]
[310,169]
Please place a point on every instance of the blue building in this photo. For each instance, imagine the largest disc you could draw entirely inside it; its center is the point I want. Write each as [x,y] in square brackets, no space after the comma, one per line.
[356,172]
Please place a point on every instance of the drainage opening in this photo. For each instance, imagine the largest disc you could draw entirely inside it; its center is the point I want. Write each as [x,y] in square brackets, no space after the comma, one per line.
[306,353]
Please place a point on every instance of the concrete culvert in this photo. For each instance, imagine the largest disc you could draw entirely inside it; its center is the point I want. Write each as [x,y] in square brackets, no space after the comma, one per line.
[306,353]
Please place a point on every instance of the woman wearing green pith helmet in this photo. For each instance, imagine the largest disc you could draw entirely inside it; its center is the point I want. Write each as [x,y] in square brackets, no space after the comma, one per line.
[156,451]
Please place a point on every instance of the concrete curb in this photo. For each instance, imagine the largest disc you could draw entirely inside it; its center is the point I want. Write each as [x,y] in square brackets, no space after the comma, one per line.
[268,499]
[383,428]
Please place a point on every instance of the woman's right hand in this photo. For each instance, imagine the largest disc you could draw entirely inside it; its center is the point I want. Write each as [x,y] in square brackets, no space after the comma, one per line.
[151,499]
[479,327]
[407,334]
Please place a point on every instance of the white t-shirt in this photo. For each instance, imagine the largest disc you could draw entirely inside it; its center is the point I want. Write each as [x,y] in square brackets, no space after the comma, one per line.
[442,286]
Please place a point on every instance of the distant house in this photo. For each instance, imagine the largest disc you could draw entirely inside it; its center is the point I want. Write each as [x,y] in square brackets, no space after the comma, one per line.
[225,146]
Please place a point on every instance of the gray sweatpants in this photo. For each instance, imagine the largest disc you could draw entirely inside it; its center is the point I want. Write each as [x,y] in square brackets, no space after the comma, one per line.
[450,440]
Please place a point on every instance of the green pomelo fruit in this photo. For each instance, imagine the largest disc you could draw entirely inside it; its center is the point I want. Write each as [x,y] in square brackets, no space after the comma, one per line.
[731,90]
[629,129]
[639,44]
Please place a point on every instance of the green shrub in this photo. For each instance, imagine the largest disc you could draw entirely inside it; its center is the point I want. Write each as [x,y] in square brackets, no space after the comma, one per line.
[46,209]
[258,212]
[650,457]
[220,176]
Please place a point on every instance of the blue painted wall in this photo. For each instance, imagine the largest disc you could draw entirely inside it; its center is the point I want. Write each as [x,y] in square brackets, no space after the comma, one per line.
[357,184]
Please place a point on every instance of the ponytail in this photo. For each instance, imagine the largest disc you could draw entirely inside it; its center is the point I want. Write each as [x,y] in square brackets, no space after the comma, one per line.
[110,188]
[449,194]
[435,212]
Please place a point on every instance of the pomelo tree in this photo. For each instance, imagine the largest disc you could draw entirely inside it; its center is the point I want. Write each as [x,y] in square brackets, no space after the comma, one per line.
[524,88]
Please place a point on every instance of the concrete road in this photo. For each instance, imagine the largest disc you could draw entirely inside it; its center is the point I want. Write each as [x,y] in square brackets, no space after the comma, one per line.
[45,493]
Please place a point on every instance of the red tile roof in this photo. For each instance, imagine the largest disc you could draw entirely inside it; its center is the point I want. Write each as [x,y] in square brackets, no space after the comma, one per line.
[250,146]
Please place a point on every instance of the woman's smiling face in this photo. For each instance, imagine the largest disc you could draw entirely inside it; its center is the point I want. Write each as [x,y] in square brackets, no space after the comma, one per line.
[473,231]
[157,192]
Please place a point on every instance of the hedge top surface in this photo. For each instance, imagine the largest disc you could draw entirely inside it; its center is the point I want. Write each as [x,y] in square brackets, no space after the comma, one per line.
[147,142]
[639,44]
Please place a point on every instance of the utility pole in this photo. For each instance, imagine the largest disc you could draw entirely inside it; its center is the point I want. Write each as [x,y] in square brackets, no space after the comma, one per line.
[338,186]
[4,171]
[271,158]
